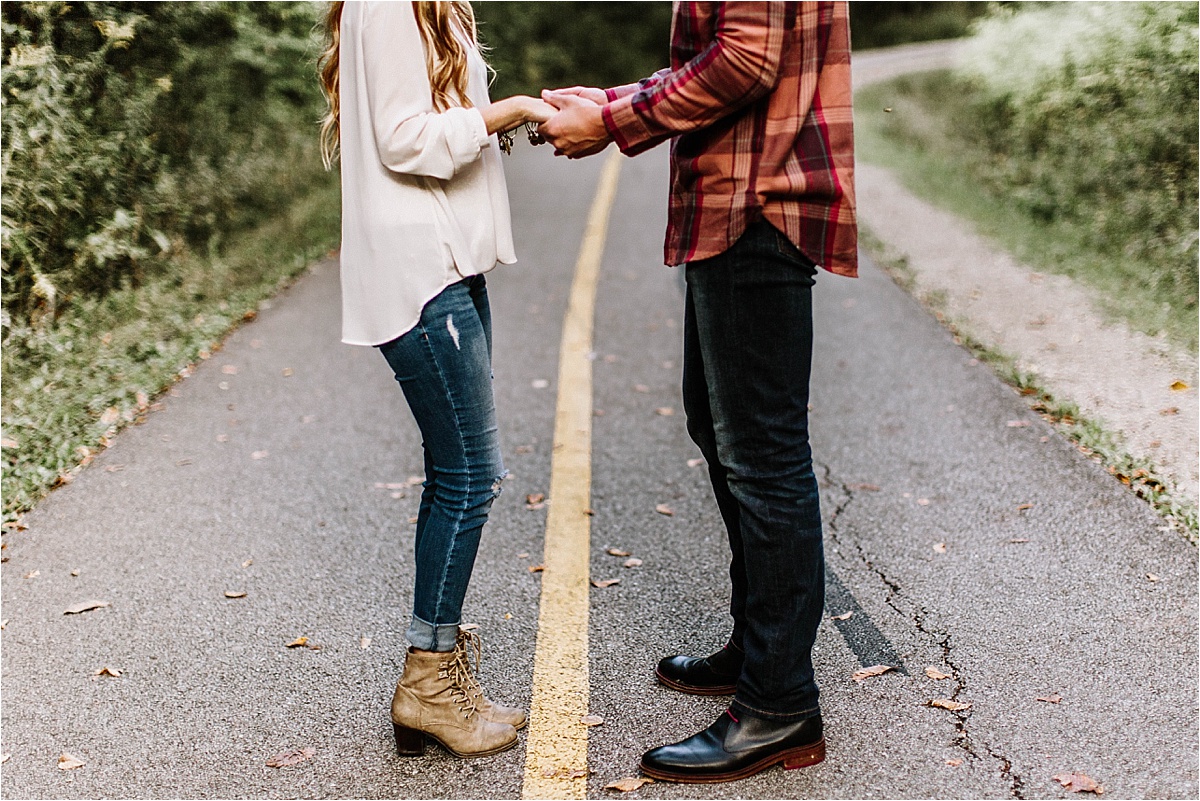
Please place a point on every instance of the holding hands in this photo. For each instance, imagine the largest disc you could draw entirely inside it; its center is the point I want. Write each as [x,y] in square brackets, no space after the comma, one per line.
[578,129]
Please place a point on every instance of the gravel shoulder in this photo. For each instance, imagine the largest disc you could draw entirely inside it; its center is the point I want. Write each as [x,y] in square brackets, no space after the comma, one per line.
[1049,324]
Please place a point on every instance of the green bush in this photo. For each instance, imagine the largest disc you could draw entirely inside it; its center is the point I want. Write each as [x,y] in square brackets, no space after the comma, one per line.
[135,133]
[1089,112]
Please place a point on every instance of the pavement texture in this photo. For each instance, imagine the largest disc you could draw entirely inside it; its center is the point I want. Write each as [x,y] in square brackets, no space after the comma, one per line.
[995,553]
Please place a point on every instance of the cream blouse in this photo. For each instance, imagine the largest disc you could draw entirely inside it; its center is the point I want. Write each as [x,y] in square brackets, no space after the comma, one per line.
[424,203]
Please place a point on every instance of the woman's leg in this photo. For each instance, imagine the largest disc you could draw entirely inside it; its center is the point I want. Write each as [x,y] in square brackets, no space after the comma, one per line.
[443,366]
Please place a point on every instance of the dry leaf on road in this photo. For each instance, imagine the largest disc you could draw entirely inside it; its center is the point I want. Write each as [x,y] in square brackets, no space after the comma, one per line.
[289,758]
[299,642]
[364,642]
[234,594]
[935,674]
[868,672]
[616,552]
[107,671]
[954,763]
[1017,423]
[664,411]
[939,547]
[1051,699]
[591,720]
[32,574]
[946,703]
[1078,783]
[535,500]
[863,487]
[69,762]
[843,616]
[694,462]
[602,583]
[1023,507]
[260,455]
[634,562]
[628,785]
[1178,386]
[536,568]
[85,606]
[663,509]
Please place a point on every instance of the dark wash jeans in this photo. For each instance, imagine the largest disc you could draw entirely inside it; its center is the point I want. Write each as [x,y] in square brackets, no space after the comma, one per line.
[444,366]
[747,357]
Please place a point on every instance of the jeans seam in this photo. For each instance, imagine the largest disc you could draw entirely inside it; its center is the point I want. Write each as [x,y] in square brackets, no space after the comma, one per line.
[739,704]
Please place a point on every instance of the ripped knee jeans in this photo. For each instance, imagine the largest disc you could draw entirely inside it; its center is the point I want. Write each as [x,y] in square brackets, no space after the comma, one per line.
[443,366]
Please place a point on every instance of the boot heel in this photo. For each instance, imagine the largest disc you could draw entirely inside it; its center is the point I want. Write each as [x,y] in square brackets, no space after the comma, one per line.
[806,758]
[409,742]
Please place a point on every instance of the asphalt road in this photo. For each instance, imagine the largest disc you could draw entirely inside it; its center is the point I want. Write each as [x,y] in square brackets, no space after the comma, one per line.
[962,532]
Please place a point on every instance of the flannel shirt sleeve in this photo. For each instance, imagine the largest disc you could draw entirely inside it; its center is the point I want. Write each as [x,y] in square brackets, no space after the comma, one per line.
[740,66]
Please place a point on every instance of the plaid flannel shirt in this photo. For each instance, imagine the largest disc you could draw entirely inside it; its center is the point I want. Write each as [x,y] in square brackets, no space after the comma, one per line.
[757,105]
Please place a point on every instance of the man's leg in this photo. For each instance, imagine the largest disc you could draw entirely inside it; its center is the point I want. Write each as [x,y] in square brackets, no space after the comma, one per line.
[752,311]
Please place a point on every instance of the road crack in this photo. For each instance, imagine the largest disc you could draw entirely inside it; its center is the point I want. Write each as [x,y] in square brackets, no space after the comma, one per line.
[919,618]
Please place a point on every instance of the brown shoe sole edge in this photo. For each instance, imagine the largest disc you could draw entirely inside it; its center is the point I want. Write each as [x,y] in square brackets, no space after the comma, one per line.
[792,759]
[722,689]
[411,742]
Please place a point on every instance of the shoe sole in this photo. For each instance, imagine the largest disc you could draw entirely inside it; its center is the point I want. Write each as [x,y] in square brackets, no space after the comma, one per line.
[792,759]
[720,689]
[412,742]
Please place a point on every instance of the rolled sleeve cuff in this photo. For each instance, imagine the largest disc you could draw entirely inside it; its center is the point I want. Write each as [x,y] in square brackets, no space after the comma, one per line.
[478,128]
[617,92]
[627,129]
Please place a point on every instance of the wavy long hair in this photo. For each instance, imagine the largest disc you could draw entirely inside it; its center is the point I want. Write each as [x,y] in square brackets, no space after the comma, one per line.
[444,24]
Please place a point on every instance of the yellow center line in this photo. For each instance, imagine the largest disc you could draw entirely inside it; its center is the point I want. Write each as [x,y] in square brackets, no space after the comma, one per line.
[556,748]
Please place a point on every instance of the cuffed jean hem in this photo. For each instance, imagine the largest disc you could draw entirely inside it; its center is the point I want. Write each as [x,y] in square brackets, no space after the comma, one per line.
[429,637]
[749,711]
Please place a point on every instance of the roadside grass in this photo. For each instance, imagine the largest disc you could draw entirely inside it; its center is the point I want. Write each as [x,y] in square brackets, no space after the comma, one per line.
[911,125]
[1093,439]
[70,386]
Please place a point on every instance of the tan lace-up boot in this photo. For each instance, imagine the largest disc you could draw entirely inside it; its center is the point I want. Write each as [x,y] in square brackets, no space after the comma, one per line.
[466,645]
[432,699]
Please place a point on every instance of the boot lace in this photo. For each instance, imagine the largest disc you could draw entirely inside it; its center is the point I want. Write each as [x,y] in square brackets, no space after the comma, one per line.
[458,672]
[466,645]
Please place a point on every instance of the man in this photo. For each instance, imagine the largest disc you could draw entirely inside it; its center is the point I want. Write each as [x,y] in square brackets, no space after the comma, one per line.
[756,105]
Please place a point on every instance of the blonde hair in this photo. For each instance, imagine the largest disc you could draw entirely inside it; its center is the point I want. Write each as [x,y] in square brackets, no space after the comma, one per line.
[443,24]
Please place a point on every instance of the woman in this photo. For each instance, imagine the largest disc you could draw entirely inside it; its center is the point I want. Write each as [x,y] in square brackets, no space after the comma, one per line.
[424,215]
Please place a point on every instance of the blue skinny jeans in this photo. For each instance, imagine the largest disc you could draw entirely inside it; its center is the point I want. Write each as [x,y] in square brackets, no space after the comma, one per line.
[443,366]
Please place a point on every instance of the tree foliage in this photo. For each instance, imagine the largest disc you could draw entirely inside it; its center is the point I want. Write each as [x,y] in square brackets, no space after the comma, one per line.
[136,132]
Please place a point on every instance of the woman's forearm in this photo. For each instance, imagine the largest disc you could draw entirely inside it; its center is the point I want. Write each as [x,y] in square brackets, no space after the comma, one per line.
[506,114]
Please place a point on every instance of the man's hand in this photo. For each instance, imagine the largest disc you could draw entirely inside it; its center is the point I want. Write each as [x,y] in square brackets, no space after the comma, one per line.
[597,96]
[577,130]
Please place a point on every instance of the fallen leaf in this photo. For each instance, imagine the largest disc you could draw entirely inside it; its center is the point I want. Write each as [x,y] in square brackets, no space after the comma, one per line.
[935,674]
[535,500]
[628,785]
[107,671]
[663,509]
[524,449]
[111,415]
[1151,577]
[539,383]
[1017,424]
[1018,541]
[4,758]
[634,562]
[868,672]
[3,624]
[954,763]
[843,616]
[413,481]
[85,606]
[522,556]
[391,485]
[299,642]
[364,643]
[508,615]
[287,372]
[1078,783]
[412,519]
[234,594]
[695,462]
[863,487]
[946,703]
[1051,699]
[5,442]
[922,501]
[1024,506]
[32,574]
[1169,411]
[260,454]
[616,552]
[229,369]
[640,388]
[664,411]
[590,512]
[290,758]
[939,547]
[247,563]
[591,720]
[602,583]
[1178,386]
[222,438]
[68,762]
[536,568]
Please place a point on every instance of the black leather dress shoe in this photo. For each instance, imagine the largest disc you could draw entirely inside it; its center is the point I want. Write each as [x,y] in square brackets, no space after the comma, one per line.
[734,748]
[716,674]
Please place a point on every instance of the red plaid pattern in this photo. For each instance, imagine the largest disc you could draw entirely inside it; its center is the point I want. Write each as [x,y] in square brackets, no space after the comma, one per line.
[757,105]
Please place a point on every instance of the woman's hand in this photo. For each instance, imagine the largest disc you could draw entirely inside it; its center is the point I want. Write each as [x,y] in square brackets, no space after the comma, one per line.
[511,112]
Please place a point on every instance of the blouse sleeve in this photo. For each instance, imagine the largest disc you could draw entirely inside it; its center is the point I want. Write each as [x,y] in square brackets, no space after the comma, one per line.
[411,138]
